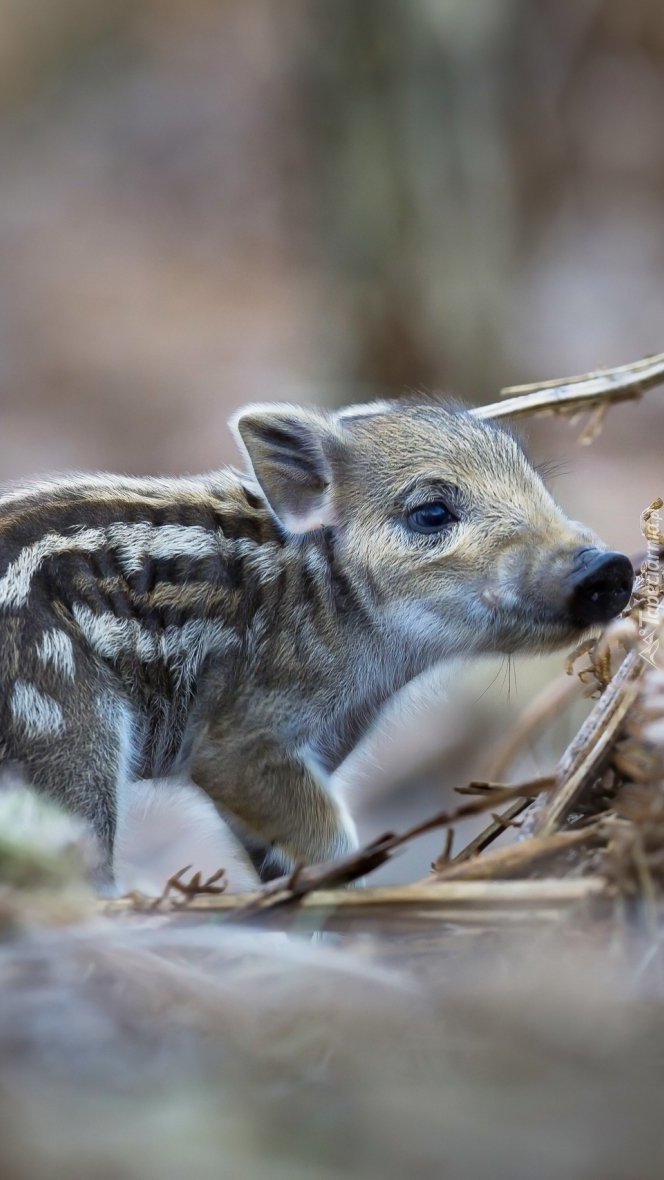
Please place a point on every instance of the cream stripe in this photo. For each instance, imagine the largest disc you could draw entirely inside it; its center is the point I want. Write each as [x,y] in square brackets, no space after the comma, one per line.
[154,487]
[39,715]
[134,542]
[183,648]
[15,585]
[56,648]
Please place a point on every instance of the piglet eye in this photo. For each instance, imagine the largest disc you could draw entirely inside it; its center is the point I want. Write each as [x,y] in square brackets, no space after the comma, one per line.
[431,518]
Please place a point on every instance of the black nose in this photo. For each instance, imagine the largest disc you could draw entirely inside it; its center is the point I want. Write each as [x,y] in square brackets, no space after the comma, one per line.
[601,586]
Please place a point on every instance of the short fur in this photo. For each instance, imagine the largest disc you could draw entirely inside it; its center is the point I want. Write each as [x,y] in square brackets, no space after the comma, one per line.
[246,630]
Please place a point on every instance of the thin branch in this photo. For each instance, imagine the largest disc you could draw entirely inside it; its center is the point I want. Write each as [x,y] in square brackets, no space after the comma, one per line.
[424,904]
[519,859]
[584,392]
[585,754]
[495,829]
[486,788]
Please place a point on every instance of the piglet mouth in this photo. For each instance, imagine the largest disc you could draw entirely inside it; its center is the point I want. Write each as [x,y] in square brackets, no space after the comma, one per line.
[596,589]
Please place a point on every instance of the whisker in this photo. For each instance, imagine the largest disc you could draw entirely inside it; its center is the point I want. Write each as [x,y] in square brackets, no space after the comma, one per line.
[491,682]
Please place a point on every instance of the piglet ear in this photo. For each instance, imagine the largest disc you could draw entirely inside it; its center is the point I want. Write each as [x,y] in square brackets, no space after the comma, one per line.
[288,449]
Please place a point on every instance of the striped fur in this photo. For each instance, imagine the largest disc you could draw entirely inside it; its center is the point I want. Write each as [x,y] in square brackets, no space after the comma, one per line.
[244,630]
[55,649]
[33,712]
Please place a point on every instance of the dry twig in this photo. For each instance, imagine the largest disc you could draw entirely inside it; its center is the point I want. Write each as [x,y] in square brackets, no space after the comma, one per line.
[393,909]
[588,751]
[572,394]
[519,859]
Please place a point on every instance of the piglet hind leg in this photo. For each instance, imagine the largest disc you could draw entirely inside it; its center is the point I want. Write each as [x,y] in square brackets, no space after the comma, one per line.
[77,753]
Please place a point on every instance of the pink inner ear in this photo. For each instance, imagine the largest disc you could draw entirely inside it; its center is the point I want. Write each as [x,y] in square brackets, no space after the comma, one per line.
[317,517]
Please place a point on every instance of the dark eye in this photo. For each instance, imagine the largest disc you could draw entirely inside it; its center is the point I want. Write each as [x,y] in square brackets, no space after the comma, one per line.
[431,518]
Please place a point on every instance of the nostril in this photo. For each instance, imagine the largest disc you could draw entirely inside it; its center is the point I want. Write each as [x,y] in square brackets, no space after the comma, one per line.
[601,586]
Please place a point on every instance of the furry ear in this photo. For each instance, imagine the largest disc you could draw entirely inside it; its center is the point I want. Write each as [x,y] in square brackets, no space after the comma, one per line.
[287,448]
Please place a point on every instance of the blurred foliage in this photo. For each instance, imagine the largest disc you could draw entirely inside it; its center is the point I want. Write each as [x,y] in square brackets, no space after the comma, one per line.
[207,201]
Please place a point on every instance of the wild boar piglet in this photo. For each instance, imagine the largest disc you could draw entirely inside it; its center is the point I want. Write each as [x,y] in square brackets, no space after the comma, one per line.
[244,630]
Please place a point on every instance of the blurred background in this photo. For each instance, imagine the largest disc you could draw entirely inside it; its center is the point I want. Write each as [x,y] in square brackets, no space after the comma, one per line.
[205,203]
